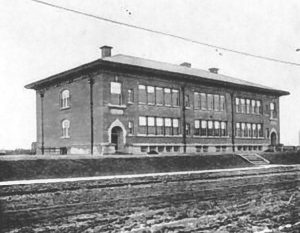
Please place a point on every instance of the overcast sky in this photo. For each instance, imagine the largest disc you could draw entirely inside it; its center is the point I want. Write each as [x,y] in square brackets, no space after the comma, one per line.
[37,41]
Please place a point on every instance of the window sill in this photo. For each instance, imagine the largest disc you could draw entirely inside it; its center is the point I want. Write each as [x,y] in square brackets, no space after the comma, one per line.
[197,136]
[117,106]
[154,135]
[65,108]
[63,137]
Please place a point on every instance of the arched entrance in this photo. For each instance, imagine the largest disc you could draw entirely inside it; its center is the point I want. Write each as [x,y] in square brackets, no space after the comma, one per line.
[117,138]
[273,139]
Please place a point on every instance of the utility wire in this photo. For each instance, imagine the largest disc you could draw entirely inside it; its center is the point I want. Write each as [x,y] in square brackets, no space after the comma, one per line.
[167,34]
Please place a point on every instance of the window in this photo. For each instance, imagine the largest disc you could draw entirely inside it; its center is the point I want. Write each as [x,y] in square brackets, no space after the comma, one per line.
[159,126]
[160,149]
[249,130]
[254,132]
[142,125]
[65,99]
[258,107]
[259,130]
[243,129]
[217,128]
[267,132]
[159,96]
[130,96]
[168,126]
[197,127]
[210,131]
[216,102]
[237,130]
[115,93]
[175,97]
[151,126]
[203,131]
[187,129]
[210,102]
[151,95]
[237,104]
[248,106]
[176,148]
[223,129]
[168,148]
[218,148]
[272,110]
[142,94]
[168,99]
[203,101]
[144,148]
[253,106]
[242,105]
[65,128]
[130,127]
[222,103]
[197,100]
[205,148]
[187,101]
[175,126]
[198,148]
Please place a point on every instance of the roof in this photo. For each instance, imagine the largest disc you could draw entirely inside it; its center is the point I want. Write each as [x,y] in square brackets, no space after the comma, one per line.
[132,61]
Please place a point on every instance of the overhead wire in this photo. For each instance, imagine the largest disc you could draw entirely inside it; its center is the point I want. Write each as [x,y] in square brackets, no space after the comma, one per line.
[168,34]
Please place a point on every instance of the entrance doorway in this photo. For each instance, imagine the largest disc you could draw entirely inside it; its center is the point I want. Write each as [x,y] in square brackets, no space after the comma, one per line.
[117,138]
[273,139]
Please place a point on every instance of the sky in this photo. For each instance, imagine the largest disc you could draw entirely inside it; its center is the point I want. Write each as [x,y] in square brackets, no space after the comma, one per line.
[37,41]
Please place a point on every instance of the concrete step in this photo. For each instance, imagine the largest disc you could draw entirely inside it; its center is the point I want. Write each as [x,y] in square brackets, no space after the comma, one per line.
[254,158]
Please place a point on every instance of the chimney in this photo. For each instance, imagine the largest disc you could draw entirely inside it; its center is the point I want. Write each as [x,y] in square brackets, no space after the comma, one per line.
[213,70]
[186,64]
[105,51]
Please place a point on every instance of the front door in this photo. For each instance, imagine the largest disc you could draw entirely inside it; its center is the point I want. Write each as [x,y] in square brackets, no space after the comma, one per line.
[117,138]
[273,139]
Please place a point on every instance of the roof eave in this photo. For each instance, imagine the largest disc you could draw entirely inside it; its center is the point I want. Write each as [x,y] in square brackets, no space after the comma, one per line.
[36,85]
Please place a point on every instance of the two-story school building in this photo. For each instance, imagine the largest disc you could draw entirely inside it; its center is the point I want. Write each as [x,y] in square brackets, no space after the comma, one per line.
[125,104]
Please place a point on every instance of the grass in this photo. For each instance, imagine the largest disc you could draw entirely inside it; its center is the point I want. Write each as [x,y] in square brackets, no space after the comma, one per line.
[292,157]
[23,169]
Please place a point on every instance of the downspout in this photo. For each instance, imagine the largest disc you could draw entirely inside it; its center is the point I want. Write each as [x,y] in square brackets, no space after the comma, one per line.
[232,122]
[42,122]
[183,120]
[91,81]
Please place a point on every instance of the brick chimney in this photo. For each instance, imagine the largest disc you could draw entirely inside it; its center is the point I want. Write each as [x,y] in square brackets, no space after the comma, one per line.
[105,51]
[213,70]
[186,64]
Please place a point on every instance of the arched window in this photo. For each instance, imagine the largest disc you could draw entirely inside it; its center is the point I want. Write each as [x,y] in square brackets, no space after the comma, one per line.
[65,128]
[65,99]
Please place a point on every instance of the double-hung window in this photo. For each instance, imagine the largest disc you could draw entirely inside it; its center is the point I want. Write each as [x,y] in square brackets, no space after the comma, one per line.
[210,102]
[159,126]
[197,127]
[142,125]
[151,95]
[167,96]
[116,93]
[168,126]
[210,128]
[159,96]
[203,131]
[203,101]
[175,97]
[142,94]
[223,129]
[65,128]
[151,125]
[65,99]
[216,102]
[175,126]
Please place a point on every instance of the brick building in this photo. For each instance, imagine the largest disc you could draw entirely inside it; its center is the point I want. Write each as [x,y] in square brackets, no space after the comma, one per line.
[132,105]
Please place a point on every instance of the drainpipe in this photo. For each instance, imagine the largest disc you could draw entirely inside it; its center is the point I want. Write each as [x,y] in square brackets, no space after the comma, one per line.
[42,121]
[232,122]
[183,120]
[91,82]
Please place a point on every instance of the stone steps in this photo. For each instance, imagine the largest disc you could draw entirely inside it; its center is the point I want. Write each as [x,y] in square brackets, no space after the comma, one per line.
[254,158]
